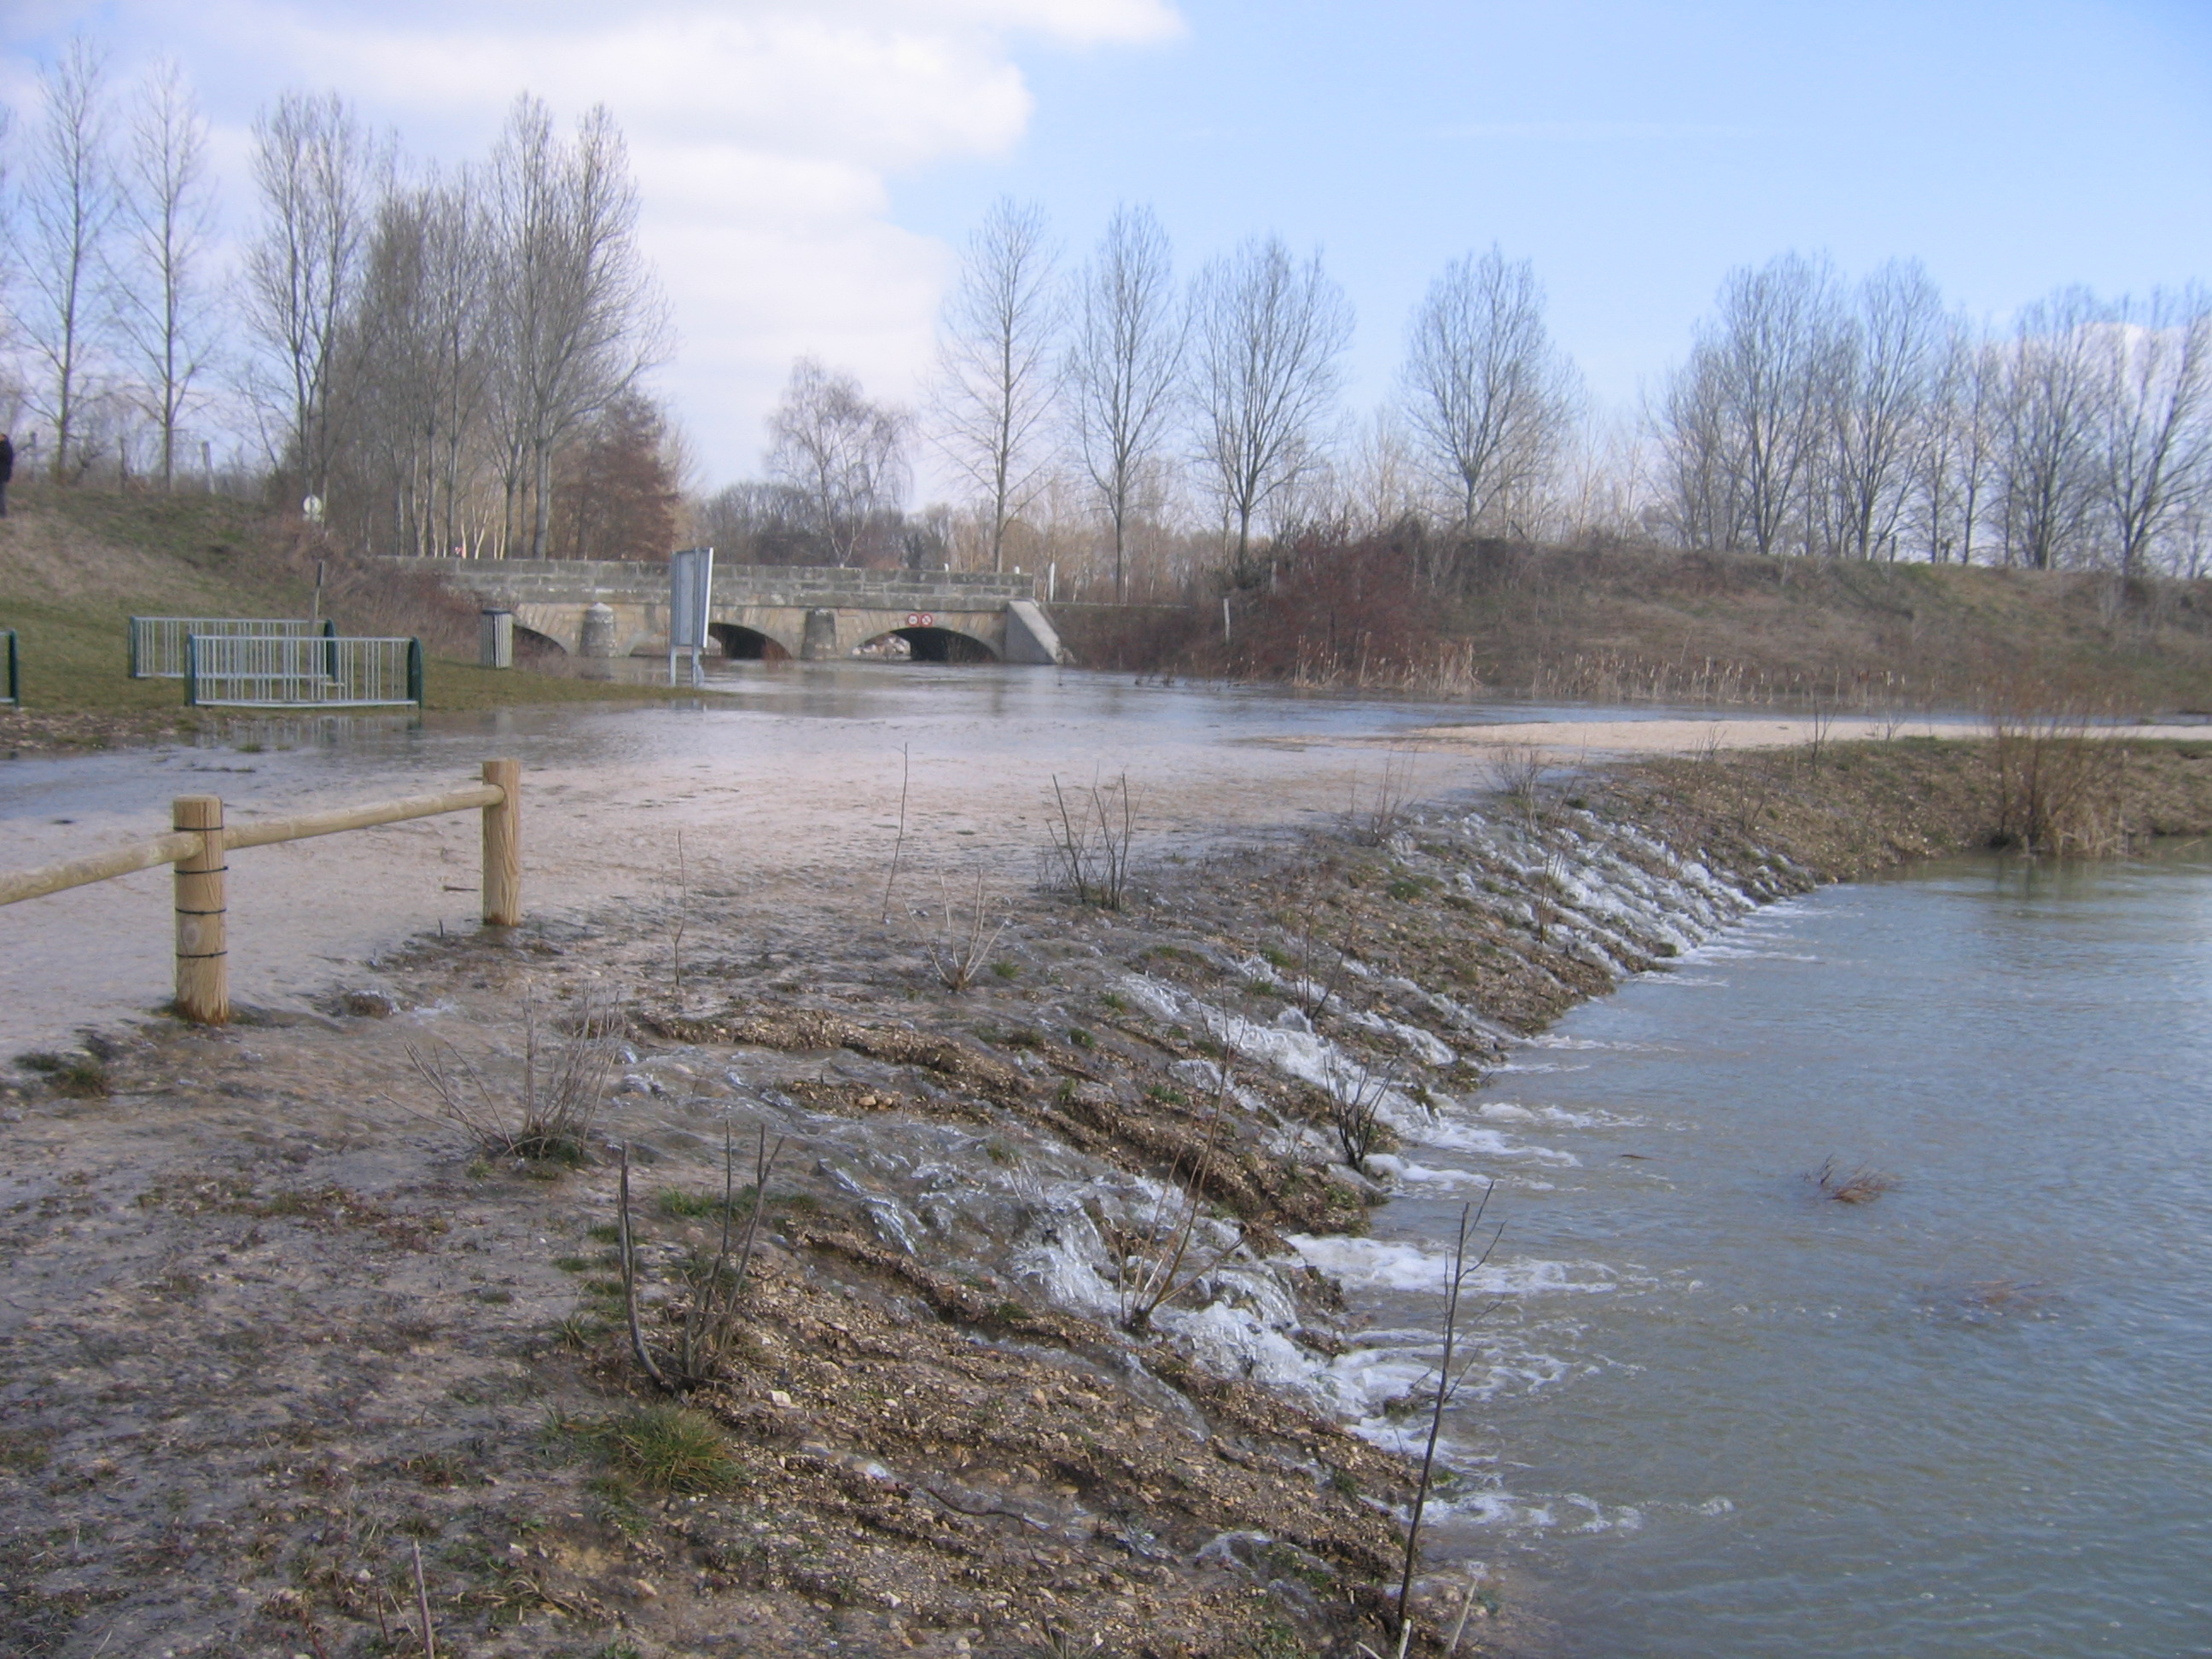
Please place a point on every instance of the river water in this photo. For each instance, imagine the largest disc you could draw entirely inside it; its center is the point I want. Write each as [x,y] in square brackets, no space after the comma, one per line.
[1718,1415]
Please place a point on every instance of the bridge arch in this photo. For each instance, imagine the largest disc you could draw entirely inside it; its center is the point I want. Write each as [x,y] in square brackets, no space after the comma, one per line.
[935,644]
[530,642]
[743,644]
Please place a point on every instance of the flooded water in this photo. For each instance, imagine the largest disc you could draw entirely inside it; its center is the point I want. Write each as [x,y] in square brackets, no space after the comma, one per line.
[784,783]
[1718,1415]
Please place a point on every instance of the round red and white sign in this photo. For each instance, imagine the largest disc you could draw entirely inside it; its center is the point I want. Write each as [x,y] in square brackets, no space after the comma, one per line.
[920,619]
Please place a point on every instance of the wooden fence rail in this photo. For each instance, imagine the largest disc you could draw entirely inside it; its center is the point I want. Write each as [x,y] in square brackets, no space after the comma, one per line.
[199,841]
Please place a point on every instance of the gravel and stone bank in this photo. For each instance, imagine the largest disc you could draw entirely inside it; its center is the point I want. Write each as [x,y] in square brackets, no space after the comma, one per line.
[269,1325]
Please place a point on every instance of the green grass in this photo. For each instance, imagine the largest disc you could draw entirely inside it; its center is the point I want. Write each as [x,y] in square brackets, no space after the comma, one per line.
[669,1448]
[184,555]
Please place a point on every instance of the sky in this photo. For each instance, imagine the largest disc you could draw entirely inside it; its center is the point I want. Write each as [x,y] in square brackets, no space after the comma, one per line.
[811,168]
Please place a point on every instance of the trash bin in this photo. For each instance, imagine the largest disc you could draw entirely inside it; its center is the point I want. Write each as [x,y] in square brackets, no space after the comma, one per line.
[496,638]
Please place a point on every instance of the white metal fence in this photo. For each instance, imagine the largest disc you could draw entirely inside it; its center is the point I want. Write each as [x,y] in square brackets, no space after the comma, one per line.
[264,672]
[157,643]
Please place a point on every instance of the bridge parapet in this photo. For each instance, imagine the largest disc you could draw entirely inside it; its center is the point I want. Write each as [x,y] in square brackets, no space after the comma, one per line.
[639,582]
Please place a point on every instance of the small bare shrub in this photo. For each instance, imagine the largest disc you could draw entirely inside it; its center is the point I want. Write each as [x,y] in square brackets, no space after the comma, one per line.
[1316,964]
[1093,842]
[1860,1186]
[1447,1386]
[706,1335]
[1152,1258]
[1369,820]
[1516,773]
[2058,783]
[958,946]
[547,1114]
[1355,1106]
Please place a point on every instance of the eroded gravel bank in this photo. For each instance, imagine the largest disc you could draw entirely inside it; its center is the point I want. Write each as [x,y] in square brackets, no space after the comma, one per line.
[271,1322]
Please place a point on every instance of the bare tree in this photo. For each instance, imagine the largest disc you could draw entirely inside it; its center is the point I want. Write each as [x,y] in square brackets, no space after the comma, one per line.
[2045,463]
[1488,396]
[169,211]
[7,236]
[1947,475]
[419,446]
[2154,363]
[1268,334]
[580,318]
[70,207]
[1124,366]
[992,400]
[843,455]
[1887,357]
[319,172]
[1743,420]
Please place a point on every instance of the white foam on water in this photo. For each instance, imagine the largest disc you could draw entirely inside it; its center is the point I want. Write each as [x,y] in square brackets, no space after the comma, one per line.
[1386,1167]
[1450,1132]
[1373,1263]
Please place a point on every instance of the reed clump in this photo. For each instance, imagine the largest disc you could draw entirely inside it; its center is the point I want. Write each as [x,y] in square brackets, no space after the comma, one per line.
[1861,1185]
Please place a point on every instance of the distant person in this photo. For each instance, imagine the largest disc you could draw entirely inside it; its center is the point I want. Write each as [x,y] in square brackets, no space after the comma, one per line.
[7,469]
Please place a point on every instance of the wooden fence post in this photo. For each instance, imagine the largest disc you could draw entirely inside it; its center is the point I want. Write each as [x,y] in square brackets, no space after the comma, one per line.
[202,947]
[503,846]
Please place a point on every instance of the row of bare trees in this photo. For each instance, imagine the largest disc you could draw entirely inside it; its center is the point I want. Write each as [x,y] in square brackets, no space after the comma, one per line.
[1230,385]
[107,311]
[448,359]
[1114,393]
[1868,421]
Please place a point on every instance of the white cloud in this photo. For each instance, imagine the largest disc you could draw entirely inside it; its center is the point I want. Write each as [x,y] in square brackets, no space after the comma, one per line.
[764,134]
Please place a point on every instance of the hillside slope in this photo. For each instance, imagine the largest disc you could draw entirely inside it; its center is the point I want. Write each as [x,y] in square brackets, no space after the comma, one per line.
[1615,625]
[77,565]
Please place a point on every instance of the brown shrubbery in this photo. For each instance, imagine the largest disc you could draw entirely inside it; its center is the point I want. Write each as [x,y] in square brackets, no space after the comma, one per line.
[1424,610]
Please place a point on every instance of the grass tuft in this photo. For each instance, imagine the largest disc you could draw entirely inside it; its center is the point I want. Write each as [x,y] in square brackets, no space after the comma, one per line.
[671,1449]
[75,1075]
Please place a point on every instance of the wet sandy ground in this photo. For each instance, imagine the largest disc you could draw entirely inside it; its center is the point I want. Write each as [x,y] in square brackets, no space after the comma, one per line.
[784,791]
[783,787]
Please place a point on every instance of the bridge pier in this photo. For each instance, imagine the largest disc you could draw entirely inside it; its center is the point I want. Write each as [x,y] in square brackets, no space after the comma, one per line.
[820,642]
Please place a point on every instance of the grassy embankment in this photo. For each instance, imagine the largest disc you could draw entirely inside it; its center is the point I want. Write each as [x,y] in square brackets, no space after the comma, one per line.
[1624,625]
[74,565]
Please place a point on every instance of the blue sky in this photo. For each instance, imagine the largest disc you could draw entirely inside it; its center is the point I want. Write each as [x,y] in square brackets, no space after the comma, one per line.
[810,165]
[1636,152]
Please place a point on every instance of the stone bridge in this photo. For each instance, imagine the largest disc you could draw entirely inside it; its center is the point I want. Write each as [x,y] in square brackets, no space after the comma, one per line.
[603,609]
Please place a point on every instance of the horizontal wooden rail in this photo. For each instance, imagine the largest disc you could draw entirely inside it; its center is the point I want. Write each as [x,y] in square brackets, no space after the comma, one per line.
[201,838]
[301,825]
[99,866]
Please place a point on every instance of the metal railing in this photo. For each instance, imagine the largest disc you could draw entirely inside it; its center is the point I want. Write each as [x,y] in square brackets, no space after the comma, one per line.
[157,643]
[11,669]
[270,671]
[200,842]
